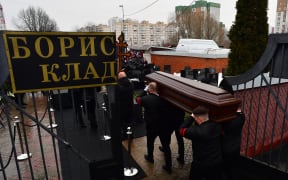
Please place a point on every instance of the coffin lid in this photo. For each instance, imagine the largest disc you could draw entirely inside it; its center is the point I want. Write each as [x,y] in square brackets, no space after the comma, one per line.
[188,94]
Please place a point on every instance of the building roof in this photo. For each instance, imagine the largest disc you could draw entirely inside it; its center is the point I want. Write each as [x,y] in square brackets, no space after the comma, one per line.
[189,45]
[209,54]
[202,48]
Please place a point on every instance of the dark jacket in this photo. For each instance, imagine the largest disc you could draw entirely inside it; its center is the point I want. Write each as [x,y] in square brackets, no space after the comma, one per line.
[125,90]
[232,130]
[153,106]
[173,117]
[205,141]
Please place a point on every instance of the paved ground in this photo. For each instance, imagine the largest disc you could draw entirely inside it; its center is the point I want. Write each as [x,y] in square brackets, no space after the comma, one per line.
[138,149]
[155,171]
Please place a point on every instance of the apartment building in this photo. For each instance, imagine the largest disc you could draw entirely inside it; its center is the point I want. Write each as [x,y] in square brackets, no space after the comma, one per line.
[147,34]
[144,33]
[201,6]
[281,23]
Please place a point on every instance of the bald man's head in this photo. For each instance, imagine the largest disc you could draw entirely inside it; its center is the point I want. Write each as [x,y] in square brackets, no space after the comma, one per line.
[152,87]
[121,74]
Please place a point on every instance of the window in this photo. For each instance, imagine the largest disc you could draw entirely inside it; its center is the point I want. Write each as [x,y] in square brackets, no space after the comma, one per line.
[167,68]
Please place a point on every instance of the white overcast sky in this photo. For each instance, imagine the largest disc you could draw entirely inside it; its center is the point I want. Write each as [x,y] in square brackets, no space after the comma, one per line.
[71,14]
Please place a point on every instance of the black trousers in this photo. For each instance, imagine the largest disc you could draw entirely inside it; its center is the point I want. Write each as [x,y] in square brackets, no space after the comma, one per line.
[231,164]
[180,142]
[151,136]
[91,107]
[165,139]
[19,99]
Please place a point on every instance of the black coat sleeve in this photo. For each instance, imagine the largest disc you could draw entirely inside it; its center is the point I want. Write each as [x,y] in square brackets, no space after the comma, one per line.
[187,122]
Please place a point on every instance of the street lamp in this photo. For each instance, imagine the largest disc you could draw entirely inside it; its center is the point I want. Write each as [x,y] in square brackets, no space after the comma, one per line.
[122,17]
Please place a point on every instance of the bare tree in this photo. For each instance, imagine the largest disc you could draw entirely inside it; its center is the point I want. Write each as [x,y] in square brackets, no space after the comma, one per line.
[172,38]
[33,19]
[90,27]
[200,26]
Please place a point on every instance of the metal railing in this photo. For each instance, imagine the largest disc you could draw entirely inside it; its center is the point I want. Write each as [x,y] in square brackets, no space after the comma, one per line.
[29,143]
[264,93]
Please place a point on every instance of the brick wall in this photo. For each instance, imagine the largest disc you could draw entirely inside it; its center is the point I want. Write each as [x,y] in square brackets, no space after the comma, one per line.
[266,126]
[178,63]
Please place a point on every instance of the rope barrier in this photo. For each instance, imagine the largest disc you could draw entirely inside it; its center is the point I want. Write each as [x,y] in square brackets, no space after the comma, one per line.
[41,119]
[48,130]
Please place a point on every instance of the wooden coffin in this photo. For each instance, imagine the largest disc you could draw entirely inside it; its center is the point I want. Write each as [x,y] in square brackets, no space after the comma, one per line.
[188,94]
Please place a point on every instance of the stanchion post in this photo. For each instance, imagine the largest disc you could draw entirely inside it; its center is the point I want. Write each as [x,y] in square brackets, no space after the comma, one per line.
[105,137]
[49,100]
[22,156]
[130,171]
[51,109]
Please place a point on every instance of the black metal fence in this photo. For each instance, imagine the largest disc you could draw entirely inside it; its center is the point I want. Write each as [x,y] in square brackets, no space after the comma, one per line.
[264,94]
[29,143]
[29,148]
[38,140]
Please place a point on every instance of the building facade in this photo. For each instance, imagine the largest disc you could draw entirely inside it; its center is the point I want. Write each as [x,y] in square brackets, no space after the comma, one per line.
[281,23]
[174,63]
[196,19]
[144,33]
[200,7]
[141,34]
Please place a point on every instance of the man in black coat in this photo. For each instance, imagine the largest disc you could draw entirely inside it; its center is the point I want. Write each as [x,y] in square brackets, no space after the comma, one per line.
[231,144]
[84,99]
[173,119]
[154,117]
[231,137]
[125,90]
[205,135]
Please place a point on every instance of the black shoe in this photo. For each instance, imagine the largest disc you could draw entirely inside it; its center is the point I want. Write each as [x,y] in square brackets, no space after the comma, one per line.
[24,104]
[161,149]
[147,158]
[167,169]
[180,160]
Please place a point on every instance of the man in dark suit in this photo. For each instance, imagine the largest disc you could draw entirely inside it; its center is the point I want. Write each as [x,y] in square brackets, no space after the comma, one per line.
[231,138]
[205,135]
[174,118]
[154,115]
[85,99]
[231,144]
[125,89]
